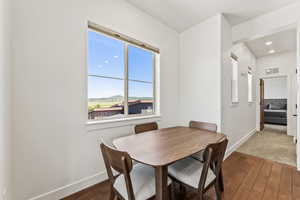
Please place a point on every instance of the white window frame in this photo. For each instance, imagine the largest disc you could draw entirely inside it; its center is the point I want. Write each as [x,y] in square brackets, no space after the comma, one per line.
[155,82]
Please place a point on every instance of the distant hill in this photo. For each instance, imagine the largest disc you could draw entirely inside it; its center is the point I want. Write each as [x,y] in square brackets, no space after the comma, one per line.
[116,98]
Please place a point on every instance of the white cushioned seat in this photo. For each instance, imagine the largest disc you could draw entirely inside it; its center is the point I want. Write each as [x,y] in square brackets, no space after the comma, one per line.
[188,171]
[114,172]
[143,182]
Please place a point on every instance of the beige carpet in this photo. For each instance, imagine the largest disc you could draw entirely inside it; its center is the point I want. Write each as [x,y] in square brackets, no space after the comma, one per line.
[272,143]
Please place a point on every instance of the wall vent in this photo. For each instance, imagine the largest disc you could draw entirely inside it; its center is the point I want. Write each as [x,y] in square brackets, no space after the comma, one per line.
[272,71]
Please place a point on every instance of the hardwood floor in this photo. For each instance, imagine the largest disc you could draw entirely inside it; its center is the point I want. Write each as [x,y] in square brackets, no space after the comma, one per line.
[246,178]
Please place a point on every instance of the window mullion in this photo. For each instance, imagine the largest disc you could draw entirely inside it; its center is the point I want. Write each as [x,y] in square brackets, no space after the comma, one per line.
[154,83]
[126,80]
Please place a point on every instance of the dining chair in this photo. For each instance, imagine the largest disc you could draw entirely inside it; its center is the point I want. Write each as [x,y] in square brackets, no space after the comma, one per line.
[199,155]
[140,128]
[108,139]
[198,175]
[204,126]
[135,182]
[108,142]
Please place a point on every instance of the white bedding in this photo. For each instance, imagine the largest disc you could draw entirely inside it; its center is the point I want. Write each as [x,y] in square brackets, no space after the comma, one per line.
[269,110]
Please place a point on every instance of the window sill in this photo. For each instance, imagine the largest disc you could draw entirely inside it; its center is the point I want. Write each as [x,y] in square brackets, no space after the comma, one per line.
[113,123]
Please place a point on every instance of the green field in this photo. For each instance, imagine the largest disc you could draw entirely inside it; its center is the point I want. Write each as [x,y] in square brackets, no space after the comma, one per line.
[110,101]
[93,105]
[104,104]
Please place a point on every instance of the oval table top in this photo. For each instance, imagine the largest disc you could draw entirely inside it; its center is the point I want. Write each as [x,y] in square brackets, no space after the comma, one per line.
[165,146]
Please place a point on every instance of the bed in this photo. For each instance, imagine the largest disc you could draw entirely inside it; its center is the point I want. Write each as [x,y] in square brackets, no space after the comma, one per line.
[275,111]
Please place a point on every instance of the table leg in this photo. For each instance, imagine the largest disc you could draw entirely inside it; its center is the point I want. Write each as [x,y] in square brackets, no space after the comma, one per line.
[161,182]
[221,181]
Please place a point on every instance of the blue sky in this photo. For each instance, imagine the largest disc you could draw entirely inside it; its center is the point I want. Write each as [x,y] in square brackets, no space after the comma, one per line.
[106,58]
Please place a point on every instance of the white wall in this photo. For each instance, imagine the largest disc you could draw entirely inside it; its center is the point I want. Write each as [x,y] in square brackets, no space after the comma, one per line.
[200,72]
[205,80]
[52,147]
[268,23]
[5,79]
[276,88]
[287,63]
[238,119]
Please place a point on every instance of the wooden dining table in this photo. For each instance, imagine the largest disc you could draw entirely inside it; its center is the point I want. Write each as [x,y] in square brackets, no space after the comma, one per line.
[160,148]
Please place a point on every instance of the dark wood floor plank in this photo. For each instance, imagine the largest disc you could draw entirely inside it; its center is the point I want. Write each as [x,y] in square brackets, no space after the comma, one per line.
[246,178]
[236,172]
[296,185]
[285,188]
[96,192]
[244,190]
[272,188]
[258,188]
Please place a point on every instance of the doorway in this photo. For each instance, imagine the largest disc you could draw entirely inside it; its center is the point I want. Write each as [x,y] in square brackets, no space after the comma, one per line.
[276,97]
[274,102]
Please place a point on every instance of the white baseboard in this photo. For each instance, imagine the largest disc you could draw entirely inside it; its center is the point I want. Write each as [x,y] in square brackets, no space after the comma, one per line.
[235,146]
[72,188]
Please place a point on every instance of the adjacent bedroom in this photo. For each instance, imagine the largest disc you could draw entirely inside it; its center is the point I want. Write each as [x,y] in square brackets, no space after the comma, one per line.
[275,102]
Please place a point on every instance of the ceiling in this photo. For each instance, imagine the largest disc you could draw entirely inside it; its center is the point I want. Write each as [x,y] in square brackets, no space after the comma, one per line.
[281,42]
[182,14]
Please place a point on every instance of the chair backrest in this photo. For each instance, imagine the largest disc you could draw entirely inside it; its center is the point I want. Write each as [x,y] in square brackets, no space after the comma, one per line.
[118,160]
[140,128]
[204,126]
[121,162]
[213,158]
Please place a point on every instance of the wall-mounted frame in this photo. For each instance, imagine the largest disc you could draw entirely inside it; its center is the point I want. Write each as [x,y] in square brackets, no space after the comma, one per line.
[234,79]
[250,85]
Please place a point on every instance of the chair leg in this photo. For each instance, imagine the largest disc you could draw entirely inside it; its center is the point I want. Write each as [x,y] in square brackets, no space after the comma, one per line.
[221,180]
[218,191]
[200,197]
[182,189]
[112,195]
[173,191]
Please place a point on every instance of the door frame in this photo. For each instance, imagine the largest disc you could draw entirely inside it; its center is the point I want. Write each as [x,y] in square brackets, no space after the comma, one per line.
[289,111]
[261,104]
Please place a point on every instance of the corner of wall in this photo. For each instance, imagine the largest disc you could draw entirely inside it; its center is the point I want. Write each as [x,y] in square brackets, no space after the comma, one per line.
[5,99]
[225,49]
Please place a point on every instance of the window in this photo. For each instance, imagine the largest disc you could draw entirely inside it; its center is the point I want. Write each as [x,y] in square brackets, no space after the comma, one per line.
[121,78]
[250,76]
[234,80]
